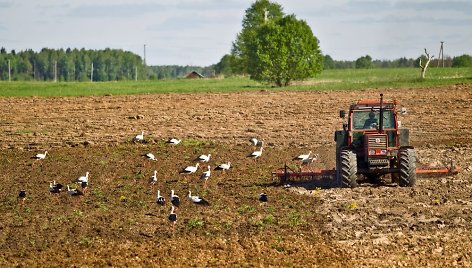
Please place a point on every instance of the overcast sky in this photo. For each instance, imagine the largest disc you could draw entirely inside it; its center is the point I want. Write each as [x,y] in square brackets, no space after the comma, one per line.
[200,32]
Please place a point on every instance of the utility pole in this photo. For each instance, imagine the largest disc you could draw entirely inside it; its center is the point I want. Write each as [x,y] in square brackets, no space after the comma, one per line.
[136,73]
[145,69]
[9,71]
[55,71]
[91,74]
[441,54]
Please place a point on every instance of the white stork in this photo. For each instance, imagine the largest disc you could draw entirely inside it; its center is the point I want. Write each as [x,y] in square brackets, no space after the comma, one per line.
[73,192]
[197,199]
[139,137]
[190,169]
[302,157]
[310,160]
[203,157]
[160,200]
[83,178]
[153,178]
[173,141]
[172,218]
[205,175]
[224,166]
[55,188]
[174,199]
[255,154]
[40,156]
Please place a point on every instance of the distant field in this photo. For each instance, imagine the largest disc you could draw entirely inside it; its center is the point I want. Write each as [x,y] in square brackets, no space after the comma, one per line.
[328,80]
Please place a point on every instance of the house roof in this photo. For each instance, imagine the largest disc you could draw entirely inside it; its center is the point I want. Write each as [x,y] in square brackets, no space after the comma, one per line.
[194,74]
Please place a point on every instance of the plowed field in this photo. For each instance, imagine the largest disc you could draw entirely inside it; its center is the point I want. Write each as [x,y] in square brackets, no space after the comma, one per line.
[117,222]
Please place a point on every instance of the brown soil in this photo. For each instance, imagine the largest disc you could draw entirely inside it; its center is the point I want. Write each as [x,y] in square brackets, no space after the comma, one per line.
[117,223]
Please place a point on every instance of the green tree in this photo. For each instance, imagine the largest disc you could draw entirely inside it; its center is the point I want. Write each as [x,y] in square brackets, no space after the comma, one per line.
[284,50]
[328,62]
[364,62]
[255,16]
[462,61]
[224,66]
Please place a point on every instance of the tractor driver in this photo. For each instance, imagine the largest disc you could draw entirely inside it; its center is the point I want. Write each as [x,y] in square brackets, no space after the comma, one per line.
[371,122]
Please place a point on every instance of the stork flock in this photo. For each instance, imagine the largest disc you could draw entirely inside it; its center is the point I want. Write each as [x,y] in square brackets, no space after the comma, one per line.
[83,181]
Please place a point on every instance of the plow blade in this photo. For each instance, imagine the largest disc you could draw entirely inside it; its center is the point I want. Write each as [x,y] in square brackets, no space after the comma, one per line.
[438,171]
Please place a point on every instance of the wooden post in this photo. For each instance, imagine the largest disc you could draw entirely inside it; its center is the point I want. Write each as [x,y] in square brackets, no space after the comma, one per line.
[425,66]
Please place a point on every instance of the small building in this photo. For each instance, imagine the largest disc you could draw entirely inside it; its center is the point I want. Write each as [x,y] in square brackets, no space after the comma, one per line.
[194,75]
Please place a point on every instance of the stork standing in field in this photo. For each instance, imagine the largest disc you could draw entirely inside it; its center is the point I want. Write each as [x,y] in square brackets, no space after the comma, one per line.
[224,166]
[83,178]
[302,157]
[139,137]
[203,158]
[173,141]
[148,156]
[205,175]
[310,160]
[39,156]
[197,199]
[160,200]
[256,154]
[74,192]
[172,218]
[190,169]
[174,199]
[55,188]
[153,178]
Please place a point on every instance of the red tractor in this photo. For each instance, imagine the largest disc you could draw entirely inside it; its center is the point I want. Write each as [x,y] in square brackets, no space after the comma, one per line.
[372,144]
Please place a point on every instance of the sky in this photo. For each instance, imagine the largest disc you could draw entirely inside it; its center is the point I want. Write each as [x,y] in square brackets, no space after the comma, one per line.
[201,32]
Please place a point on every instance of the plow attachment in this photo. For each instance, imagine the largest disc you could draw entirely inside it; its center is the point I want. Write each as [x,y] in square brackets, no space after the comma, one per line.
[438,171]
[327,177]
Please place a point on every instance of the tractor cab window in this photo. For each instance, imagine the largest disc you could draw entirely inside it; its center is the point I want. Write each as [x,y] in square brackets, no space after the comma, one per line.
[370,119]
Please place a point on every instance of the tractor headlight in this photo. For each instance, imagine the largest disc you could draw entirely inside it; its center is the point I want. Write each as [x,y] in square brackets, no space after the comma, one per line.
[371,152]
[383,151]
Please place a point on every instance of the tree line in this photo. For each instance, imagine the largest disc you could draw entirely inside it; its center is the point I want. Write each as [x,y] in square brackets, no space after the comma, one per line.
[366,62]
[118,65]
[71,65]
[228,65]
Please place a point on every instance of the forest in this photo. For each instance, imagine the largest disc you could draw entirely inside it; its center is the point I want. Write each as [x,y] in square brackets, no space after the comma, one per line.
[76,65]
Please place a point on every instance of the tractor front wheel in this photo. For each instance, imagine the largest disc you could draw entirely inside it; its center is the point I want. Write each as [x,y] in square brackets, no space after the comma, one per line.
[347,169]
[407,166]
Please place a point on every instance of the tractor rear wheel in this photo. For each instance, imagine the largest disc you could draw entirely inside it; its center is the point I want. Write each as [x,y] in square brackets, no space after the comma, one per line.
[407,166]
[347,169]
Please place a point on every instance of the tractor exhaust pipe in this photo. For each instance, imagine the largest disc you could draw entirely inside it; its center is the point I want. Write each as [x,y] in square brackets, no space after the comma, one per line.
[381,114]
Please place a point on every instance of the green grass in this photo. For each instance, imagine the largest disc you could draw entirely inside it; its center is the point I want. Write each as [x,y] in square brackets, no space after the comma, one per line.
[327,80]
